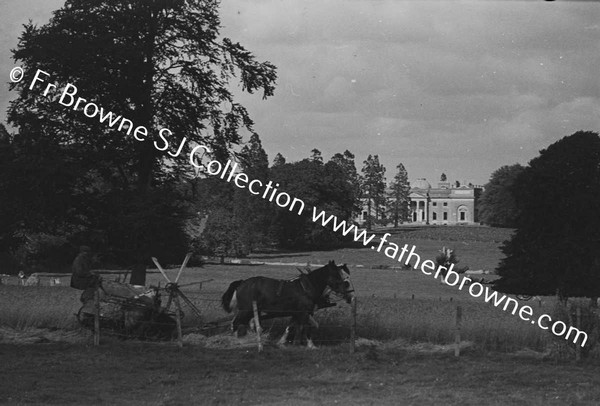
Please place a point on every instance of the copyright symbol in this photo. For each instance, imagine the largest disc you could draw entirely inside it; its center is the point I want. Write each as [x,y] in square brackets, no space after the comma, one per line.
[16,74]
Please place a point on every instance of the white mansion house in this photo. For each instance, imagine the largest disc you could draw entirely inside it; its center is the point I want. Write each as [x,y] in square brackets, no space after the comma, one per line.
[446,204]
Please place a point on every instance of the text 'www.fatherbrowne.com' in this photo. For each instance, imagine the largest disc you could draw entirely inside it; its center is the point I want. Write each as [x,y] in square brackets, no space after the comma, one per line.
[448,276]
[68,97]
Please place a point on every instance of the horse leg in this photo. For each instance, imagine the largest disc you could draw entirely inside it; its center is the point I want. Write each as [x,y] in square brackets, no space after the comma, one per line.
[298,327]
[241,319]
[305,325]
[308,332]
[285,335]
[309,342]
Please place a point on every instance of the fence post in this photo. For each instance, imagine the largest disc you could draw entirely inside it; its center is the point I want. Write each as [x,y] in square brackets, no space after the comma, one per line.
[578,321]
[97,317]
[257,324]
[178,319]
[353,326]
[457,331]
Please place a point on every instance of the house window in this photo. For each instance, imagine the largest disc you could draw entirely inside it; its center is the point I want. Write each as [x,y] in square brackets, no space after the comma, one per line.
[434,214]
[462,213]
[445,215]
[364,215]
[434,204]
[445,203]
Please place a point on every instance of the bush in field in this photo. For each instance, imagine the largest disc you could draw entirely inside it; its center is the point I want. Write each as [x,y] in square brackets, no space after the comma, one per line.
[44,253]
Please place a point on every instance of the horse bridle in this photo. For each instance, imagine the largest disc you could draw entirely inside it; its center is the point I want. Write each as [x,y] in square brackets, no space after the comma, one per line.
[346,279]
[346,283]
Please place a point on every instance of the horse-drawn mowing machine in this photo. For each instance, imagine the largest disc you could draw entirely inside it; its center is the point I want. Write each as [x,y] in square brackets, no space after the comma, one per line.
[137,312]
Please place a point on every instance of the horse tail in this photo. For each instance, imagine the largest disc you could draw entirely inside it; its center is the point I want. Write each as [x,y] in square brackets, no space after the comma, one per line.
[229,294]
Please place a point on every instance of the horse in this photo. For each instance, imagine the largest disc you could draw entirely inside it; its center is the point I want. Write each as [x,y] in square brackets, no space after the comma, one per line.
[296,298]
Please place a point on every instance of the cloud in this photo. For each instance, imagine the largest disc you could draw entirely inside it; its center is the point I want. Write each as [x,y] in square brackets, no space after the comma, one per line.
[436,84]
[455,87]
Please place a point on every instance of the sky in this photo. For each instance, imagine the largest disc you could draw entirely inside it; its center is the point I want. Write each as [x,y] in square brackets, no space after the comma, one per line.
[440,86]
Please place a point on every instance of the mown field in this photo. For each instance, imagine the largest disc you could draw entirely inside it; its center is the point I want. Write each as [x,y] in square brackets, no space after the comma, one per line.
[405,327]
[133,373]
[392,303]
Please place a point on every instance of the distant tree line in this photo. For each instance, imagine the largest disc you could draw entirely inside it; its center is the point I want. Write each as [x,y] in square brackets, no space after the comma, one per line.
[67,181]
[239,223]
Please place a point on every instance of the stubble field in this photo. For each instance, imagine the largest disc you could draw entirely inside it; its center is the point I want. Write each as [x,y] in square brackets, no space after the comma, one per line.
[405,327]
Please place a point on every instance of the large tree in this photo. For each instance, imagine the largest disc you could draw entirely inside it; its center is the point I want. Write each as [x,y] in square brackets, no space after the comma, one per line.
[497,206]
[252,214]
[398,196]
[346,162]
[373,187]
[161,64]
[556,245]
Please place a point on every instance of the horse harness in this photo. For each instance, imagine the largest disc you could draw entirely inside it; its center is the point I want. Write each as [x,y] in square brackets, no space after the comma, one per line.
[305,283]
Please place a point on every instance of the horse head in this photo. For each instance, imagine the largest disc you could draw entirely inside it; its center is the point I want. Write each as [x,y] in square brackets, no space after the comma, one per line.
[339,281]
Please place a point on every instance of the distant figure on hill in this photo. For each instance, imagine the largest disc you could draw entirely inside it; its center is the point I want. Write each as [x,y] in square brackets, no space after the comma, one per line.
[83,278]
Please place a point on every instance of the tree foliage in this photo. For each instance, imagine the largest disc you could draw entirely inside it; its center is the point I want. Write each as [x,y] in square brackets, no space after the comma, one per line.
[398,197]
[373,187]
[556,246]
[497,206]
[346,162]
[252,213]
[278,160]
[161,64]
[328,187]
[315,155]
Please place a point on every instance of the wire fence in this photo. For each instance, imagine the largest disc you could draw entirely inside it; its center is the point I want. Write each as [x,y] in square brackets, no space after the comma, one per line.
[407,317]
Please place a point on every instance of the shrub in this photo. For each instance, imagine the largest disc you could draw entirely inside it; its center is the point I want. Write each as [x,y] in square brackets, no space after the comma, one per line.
[43,252]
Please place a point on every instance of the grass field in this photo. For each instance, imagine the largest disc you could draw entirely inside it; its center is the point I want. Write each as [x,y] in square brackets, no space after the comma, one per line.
[392,303]
[405,324]
[133,373]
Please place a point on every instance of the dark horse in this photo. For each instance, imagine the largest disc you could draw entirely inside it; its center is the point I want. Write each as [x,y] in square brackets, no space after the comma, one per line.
[279,298]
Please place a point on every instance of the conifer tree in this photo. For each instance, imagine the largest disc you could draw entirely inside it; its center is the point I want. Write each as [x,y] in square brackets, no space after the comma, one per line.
[373,188]
[398,196]
[279,160]
[346,162]
[316,156]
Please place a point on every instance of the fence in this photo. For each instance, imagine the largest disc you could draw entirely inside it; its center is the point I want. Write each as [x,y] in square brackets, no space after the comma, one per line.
[408,317]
